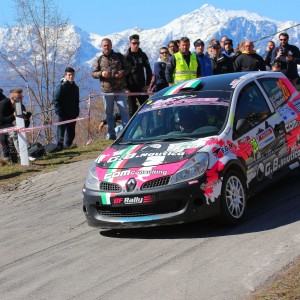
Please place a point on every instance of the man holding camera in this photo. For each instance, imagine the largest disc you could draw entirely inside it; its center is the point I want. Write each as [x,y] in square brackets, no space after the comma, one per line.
[288,56]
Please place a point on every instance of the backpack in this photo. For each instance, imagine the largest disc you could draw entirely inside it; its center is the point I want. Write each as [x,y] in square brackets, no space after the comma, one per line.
[36,150]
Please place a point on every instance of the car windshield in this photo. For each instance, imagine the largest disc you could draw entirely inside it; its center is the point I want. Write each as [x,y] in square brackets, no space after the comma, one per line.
[178,117]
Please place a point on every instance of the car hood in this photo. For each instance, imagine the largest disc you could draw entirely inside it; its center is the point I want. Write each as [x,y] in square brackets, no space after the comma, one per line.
[150,160]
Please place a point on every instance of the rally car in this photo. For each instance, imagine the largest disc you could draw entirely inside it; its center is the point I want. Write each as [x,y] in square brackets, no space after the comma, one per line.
[197,149]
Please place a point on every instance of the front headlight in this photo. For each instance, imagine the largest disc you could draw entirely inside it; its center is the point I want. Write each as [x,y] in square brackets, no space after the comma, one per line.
[92,181]
[194,167]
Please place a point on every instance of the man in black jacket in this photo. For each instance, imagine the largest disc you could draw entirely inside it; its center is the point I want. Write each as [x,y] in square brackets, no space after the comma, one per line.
[249,60]
[221,64]
[66,104]
[288,56]
[135,79]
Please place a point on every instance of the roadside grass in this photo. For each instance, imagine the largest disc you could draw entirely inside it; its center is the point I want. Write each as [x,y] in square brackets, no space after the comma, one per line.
[12,174]
[284,286]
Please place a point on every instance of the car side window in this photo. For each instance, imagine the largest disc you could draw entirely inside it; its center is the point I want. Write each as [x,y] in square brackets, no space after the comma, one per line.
[252,107]
[276,90]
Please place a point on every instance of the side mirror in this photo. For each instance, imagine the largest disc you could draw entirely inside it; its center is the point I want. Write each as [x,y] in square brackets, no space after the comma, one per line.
[242,126]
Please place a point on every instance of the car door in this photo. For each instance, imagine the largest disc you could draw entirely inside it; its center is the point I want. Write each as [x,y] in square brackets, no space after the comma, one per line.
[257,133]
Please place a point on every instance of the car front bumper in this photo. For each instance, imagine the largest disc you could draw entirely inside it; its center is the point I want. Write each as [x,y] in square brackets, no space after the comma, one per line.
[174,204]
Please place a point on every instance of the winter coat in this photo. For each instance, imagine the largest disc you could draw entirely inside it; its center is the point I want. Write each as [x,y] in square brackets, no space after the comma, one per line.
[158,81]
[7,116]
[221,65]
[112,63]
[205,64]
[66,100]
[138,63]
[249,62]
[288,68]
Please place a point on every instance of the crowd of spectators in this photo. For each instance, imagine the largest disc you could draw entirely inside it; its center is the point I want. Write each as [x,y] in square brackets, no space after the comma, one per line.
[129,79]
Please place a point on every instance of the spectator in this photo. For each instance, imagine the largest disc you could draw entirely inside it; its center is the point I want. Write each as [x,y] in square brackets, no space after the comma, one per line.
[240,48]
[276,67]
[228,50]
[249,60]
[66,105]
[158,81]
[2,96]
[111,68]
[182,65]
[222,41]
[267,56]
[289,57]
[203,60]
[117,124]
[7,118]
[221,64]
[173,47]
[136,81]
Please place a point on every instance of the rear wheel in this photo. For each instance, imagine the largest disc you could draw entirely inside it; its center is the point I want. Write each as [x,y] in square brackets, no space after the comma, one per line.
[233,197]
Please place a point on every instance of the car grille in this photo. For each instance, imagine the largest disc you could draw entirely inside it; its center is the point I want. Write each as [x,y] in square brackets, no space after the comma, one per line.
[158,182]
[161,207]
[110,187]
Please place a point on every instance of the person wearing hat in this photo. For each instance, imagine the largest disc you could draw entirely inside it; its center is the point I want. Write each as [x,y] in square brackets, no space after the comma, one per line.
[203,60]
[221,64]
[228,50]
[7,118]
[183,65]
[66,105]
[136,81]
[249,60]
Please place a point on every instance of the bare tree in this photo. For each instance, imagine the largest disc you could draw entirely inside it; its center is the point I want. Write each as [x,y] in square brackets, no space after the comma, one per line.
[42,45]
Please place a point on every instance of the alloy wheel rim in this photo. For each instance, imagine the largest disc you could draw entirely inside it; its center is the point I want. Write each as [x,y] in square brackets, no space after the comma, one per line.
[235,197]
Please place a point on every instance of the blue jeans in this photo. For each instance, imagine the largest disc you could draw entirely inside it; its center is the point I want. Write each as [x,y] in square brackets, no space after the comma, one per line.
[109,102]
[65,129]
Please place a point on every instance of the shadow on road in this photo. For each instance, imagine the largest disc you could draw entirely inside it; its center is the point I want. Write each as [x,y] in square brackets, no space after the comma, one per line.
[275,207]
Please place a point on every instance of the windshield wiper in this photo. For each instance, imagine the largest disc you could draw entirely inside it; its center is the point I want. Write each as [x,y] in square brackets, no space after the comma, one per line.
[177,139]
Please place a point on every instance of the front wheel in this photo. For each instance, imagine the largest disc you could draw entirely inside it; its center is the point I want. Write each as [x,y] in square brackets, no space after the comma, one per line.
[233,197]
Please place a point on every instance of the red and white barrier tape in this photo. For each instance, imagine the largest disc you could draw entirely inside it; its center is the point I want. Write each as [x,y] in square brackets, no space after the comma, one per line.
[23,129]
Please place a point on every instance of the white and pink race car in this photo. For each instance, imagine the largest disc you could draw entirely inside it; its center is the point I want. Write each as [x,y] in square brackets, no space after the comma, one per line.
[197,149]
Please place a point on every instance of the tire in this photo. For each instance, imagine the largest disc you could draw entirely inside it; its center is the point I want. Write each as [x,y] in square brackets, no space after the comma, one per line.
[233,198]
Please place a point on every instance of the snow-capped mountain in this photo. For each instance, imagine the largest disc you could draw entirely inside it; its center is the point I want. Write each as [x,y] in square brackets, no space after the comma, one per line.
[206,23]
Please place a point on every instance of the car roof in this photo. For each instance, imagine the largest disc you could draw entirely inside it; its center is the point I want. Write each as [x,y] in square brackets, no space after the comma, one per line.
[223,82]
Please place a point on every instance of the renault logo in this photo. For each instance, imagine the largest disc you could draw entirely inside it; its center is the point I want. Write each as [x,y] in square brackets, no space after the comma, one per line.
[130,185]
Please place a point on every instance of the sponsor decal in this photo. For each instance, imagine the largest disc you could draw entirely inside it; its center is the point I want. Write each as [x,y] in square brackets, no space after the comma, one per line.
[151,147]
[277,99]
[122,201]
[266,137]
[291,125]
[131,173]
[287,113]
[268,168]
[146,154]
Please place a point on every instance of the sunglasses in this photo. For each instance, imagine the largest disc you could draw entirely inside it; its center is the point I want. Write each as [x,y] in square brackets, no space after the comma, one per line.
[135,43]
[164,52]
[283,39]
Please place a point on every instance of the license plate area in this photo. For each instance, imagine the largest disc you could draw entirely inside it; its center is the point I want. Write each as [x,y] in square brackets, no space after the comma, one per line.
[132,200]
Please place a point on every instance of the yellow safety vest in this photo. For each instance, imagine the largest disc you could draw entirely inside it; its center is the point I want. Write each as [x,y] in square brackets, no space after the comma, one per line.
[183,71]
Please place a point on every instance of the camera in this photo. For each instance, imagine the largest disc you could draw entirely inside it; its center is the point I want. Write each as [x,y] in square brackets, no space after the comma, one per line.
[283,51]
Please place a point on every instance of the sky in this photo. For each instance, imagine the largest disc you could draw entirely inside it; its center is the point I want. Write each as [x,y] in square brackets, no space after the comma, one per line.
[110,16]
